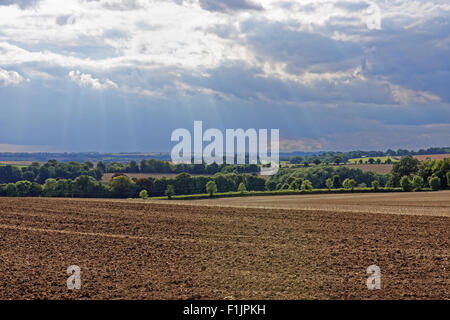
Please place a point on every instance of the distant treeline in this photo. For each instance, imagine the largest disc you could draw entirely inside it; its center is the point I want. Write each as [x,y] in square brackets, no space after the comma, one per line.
[343,157]
[318,176]
[82,156]
[61,170]
[408,173]
[127,157]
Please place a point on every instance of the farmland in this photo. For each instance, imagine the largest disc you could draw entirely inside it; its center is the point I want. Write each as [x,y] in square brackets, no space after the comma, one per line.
[426,157]
[366,159]
[295,248]
[367,167]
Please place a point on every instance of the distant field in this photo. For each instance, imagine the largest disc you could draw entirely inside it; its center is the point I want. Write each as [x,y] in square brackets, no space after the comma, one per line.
[366,159]
[425,157]
[378,168]
[108,176]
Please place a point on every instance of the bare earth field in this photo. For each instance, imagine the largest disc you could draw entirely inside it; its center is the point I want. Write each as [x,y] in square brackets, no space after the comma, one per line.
[378,168]
[164,250]
[409,203]
[425,157]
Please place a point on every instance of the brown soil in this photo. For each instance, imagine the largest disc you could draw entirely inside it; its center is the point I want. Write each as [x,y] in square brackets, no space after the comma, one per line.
[148,250]
[425,157]
[409,203]
[378,168]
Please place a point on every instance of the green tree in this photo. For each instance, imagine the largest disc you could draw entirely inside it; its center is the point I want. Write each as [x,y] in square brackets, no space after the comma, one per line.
[143,194]
[101,166]
[306,185]
[407,166]
[242,188]
[11,190]
[271,185]
[23,188]
[417,183]
[375,185]
[35,190]
[183,183]
[49,188]
[336,182]
[349,183]
[329,183]
[296,184]
[337,160]
[211,188]
[405,183]
[447,176]
[371,160]
[122,187]
[435,183]
[170,191]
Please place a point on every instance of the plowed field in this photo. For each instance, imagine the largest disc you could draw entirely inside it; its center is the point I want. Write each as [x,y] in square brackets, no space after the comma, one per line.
[149,250]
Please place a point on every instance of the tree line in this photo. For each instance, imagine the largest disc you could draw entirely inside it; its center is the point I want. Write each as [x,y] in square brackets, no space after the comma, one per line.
[121,186]
[61,170]
[330,157]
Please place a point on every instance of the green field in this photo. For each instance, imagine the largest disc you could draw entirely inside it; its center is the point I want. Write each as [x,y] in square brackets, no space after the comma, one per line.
[366,159]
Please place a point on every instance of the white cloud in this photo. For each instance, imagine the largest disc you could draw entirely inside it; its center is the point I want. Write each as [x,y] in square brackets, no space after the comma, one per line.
[86,80]
[10,78]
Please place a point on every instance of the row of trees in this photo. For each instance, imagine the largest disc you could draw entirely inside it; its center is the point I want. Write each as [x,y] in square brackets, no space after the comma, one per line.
[122,186]
[433,174]
[319,175]
[60,170]
[52,169]
[158,166]
[331,156]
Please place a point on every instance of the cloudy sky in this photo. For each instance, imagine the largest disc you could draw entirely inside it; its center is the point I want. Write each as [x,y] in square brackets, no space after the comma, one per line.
[120,75]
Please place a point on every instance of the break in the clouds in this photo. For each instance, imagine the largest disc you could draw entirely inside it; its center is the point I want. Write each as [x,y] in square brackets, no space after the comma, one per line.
[120,75]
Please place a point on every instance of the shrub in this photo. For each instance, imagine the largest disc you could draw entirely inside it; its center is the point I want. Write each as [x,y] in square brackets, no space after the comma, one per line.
[143,194]
[329,183]
[306,185]
[405,183]
[211,188]
[242,188]
[448,178]
[375,185]
[170,191]
[349,184]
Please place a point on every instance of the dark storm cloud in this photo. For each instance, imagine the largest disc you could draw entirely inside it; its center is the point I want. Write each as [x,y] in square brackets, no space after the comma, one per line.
[300,50]
[229,5]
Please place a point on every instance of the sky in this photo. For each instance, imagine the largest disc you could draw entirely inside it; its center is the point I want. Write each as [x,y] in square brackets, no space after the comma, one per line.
[121,75]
